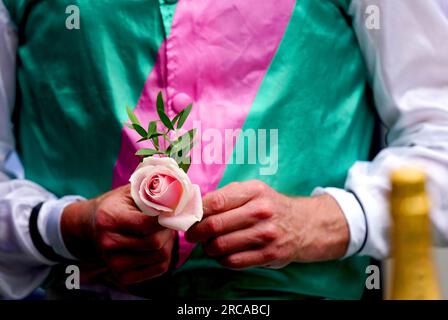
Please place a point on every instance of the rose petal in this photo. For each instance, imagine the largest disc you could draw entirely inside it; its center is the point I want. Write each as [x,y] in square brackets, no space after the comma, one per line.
[155,161]
[183,178]
[191,213]
[170,197]
[155,184]
[145,198]
[163,182]
[136,180]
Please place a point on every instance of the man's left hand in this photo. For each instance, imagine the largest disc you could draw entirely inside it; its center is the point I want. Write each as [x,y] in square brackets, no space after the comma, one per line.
[249,224]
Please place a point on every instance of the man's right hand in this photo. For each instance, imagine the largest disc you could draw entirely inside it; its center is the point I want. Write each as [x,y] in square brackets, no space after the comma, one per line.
[111,229]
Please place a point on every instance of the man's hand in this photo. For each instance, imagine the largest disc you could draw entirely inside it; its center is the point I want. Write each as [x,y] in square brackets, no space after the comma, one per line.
[110,228]
[249,224]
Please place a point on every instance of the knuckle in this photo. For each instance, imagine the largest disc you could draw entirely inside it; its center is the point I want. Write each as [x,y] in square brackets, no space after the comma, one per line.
[264,209]
[161,255]
[214,224]
[217,202]
[232,262]
[162,268]
[157,243]
[218,246]
[102,218]
[259,187]
[270,255]
[106,243]
[165,253]
[269,233]
[262,214]
[234,184]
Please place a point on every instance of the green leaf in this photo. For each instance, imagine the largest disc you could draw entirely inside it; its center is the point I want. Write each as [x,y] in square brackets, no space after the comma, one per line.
[147,152]
[132,116]
[152,137]
[161,112]
[155,135]
[129,125]
[185,165]
[155,141]
[184,115]
[176,118]
[168,150]
[142,139]
[152,128]
[140,130]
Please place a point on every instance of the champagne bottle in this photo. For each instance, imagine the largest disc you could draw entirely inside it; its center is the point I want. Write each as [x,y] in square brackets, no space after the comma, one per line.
[414,272]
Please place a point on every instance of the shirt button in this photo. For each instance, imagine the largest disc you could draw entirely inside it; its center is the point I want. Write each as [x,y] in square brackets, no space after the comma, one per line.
[180,101]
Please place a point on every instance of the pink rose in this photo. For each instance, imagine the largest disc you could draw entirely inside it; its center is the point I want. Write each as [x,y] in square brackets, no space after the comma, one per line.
[160,188]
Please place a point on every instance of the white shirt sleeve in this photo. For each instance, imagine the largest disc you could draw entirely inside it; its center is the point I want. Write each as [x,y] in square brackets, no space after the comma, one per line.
[22,267]
[407,58]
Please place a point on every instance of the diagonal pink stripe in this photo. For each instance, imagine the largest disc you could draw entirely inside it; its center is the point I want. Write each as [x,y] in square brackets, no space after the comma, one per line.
[217,53]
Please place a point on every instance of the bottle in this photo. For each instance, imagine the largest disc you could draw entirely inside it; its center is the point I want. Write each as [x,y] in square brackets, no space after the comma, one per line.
[414,272]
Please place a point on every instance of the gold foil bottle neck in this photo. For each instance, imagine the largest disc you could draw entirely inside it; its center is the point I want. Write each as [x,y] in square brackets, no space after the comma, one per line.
[408,195]
[407,182]
[414,273]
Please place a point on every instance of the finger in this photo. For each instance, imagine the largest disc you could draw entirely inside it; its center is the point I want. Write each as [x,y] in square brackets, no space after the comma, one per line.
[119,242]
[234,242]
[246,259]
[231,196]
[134,223]
[230,221]
[121,263]
[144,274]
[124,193]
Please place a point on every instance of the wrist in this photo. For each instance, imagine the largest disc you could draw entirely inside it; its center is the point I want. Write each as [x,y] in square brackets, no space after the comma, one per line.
[335,235]
[77,229]
[354,214]
[326,229]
